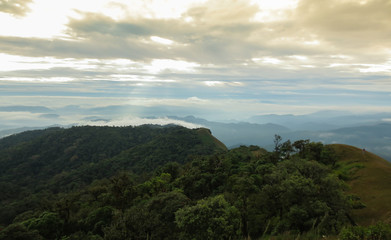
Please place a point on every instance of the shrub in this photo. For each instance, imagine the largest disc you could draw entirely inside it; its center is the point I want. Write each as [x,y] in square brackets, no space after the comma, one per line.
[380,231]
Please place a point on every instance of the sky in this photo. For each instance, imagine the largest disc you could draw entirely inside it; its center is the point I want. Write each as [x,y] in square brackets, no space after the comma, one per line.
[216,59]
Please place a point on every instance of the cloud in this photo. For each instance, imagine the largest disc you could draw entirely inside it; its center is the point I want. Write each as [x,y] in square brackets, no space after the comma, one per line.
[349,26]
[50,116]
[136,121]
[31,109]
[99,24]
[312,55]
[103,47]
[204,39]
[52,73]
[15,7]
[27,119]
[210,32]
[219,13]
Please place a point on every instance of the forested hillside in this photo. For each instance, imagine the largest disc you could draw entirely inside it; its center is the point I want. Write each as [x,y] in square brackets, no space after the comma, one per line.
[153,182]
[59,160]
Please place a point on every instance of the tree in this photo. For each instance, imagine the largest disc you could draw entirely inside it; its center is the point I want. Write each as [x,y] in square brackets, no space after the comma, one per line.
[122,189]
[99,218]
[277,143]
[152,218]
[18,231]
[48,224]
[243,188]
[281,150]
[300,146]
[286,149]
[379,231]
[303,194]
[211,218]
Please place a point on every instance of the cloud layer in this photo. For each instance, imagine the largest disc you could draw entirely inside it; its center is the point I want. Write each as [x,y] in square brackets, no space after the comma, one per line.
[253,56]
[15,7]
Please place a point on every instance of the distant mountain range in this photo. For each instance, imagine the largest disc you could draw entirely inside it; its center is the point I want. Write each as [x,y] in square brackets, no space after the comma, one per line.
[370,131]
[322,121]
[374,135]
[241,133]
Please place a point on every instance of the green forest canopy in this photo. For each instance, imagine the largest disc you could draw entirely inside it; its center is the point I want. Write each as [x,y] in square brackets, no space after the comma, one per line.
[170,182]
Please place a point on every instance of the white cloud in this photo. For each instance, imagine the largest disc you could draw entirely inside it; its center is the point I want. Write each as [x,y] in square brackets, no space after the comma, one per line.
[268,60]
[16,8]
[41,79]
[276,5]
[299,57]
[135,121]
[272,11]
[160,65]
[213,83]
[138,78]
[195,100]
[16,62]
[313,42]
[160,40]
[223,84]
[375,68]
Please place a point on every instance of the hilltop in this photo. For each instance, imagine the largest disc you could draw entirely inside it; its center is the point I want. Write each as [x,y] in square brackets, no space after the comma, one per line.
[369,177]
[59,160]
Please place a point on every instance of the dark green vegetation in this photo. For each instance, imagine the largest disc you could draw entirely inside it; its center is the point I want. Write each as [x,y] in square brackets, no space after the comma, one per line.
[170,182]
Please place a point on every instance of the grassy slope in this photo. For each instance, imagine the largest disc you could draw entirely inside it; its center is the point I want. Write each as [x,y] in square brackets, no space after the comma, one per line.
[207,138]
[371,181]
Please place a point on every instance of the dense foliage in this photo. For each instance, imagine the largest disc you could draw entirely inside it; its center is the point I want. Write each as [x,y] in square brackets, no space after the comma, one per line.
[379,231]
[37,165]
[165,183]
